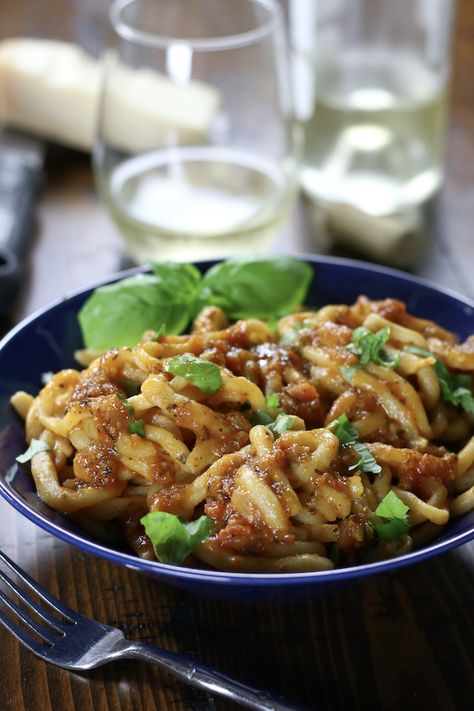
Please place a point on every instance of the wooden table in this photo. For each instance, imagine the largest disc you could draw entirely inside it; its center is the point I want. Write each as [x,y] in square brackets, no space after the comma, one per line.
[397,641]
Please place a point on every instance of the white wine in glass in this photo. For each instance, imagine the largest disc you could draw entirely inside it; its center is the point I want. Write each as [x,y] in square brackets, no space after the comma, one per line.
[196,153]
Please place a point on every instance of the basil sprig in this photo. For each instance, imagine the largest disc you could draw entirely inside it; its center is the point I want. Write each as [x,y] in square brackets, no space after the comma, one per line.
[173,538]
[204,374]
[118,314]
[394,511]
[456,389]
[348,436]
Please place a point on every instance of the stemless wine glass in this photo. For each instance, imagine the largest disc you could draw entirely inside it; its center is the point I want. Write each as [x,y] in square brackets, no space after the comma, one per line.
[196,151]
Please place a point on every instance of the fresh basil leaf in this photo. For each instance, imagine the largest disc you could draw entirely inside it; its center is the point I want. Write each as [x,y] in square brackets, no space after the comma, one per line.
[260,417]
[272,323]
[461,394]
[282,423]
[36,445]
[369,346]
[172,537]
[137,427]
[154,335]
[289,338]
[344,430]
[335,553]
[204,374]
[125,402]
[456,389]
[257,288]
[395,512]
[391,530]
[272,401]
[422,352]
[367,462]
[178,278]
[348,436]
[118,314]
[132,387]
[348,372]
[391,506]
[134,426]
[442,373]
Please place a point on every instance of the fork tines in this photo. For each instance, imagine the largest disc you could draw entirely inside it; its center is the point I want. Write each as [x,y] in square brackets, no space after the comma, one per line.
[46,608]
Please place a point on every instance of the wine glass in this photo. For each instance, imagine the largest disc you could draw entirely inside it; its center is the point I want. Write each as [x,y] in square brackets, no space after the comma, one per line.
[196,153]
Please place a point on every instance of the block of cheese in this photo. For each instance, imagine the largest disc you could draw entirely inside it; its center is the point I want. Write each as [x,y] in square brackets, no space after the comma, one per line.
[52,88]
[144,109]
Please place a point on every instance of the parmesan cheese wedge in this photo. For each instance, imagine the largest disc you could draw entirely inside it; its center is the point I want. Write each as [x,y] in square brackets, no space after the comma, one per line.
[51,89]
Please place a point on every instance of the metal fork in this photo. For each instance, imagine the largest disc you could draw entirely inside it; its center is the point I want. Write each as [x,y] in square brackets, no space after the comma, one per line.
[73,641]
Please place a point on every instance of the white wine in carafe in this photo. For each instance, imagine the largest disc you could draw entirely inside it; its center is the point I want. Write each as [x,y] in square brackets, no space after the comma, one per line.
[376,135]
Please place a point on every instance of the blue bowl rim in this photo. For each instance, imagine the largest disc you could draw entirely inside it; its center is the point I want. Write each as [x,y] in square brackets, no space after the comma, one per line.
[177,573]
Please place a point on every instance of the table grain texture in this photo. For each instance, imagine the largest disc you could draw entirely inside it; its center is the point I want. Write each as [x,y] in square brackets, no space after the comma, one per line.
[399,641]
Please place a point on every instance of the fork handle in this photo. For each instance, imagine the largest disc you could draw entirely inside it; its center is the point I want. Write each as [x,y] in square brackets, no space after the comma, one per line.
[204,677]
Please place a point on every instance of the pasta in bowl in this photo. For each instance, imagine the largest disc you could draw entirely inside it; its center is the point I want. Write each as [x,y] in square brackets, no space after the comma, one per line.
[334,441]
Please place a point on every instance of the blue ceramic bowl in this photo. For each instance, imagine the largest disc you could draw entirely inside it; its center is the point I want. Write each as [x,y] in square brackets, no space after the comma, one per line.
[46,341]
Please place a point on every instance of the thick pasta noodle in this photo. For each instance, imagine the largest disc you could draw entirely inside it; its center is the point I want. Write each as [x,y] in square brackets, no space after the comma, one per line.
[279,501]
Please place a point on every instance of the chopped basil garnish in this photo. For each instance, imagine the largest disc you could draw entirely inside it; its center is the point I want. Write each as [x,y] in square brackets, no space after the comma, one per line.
[348,436]
[36,445]
[132,387]
[344,430]
[260,417]
[134,426]
[282,423]
[367,462]
[277,426]
[204,374]
[292,334]
[456,389]
[174,538]
[335,553]
[394,511]
[348,372]
[272,401]
[369,346]
[137,427]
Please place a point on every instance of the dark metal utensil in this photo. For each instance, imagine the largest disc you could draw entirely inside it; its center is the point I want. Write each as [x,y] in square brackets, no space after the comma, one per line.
[21,166]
